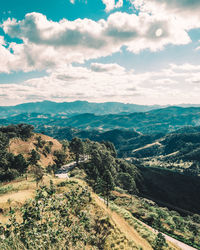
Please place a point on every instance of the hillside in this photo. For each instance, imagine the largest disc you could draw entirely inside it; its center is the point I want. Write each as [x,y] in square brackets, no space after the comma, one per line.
[155,121]
[174,148]
[72,211]
[76,107]
[99,227]
[18,146]
[22,150]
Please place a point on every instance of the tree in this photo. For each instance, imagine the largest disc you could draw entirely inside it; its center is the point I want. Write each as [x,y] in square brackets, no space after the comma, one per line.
[76,146]
[18,162]
[60,158]
[127,182]
[160,242]
[52,169]
[65,145]
[40,143]
[110,146]
[34,157]
[3,152]
[107,184]
[38,173]
[25,130]
[103,170]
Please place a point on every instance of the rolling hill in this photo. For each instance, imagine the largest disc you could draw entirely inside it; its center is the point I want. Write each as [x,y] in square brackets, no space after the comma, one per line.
[76,107]
[155,121]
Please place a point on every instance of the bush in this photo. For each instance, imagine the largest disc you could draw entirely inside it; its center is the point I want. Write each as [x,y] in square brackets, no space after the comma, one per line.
[160,242]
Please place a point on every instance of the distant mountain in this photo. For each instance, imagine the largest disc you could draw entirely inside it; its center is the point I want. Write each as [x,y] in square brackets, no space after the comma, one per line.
[76,107]
[155,121]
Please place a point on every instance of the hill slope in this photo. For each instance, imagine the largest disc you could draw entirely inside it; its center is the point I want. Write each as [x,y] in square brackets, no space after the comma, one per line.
[18,146]
[89,224]
[77,107]
[155,121]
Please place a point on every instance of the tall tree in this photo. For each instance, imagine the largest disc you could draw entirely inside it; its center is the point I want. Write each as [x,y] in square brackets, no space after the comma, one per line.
[107,184]
[60,158]
[76,146]
[38,173]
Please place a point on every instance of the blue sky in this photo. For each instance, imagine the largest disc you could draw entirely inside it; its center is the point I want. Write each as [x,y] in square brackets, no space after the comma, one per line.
[131,51]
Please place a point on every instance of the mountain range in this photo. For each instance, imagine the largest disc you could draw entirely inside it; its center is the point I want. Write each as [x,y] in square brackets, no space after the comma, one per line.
[154,121]
[76,107]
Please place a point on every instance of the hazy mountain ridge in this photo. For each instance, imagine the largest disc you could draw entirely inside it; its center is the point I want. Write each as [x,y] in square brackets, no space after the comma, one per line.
[76,107]
[155,121]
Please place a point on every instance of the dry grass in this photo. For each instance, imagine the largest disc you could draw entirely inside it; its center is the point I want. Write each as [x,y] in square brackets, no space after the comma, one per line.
[121,235]
[18,146]
[128,231]
[18,192]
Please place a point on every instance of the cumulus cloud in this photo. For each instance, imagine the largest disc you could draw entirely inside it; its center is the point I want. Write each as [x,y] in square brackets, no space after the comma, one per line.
[47,44]
[186,11]
[110,4]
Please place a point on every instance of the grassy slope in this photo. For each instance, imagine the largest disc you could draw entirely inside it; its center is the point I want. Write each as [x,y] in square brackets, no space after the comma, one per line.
[122,234]
[18,146]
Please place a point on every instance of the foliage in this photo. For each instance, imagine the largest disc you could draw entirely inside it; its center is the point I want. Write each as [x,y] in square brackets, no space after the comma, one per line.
[160,242]
[104,171]
[76,146]
[11,166]
[56,221]
[38,173]
[59,158]
[183,228]
[40,143]
[23,131]
[34,157]
[65,145]
[17,162]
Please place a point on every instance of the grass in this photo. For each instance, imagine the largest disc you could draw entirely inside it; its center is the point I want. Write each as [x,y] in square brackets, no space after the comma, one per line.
[121,225]
[16,192]
[166,221]
[139,227]
[7,189]
[116,237]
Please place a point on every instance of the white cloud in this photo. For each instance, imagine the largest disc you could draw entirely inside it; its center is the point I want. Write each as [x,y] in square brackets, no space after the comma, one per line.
[185,11]
[72,1]
[48,44]
[175,84]
[111,68]
[185,67]
[110,4]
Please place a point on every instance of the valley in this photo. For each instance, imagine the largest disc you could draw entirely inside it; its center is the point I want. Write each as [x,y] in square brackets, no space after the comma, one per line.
[144,169]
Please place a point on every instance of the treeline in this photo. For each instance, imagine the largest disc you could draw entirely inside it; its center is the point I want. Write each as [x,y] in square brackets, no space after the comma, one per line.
[105,171]
[12,166]
[23,131]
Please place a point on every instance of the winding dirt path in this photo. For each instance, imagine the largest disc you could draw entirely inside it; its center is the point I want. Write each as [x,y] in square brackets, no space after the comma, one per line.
[123,225]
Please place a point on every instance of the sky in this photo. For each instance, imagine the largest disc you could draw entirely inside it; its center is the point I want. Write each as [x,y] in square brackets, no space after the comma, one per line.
[131,51]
